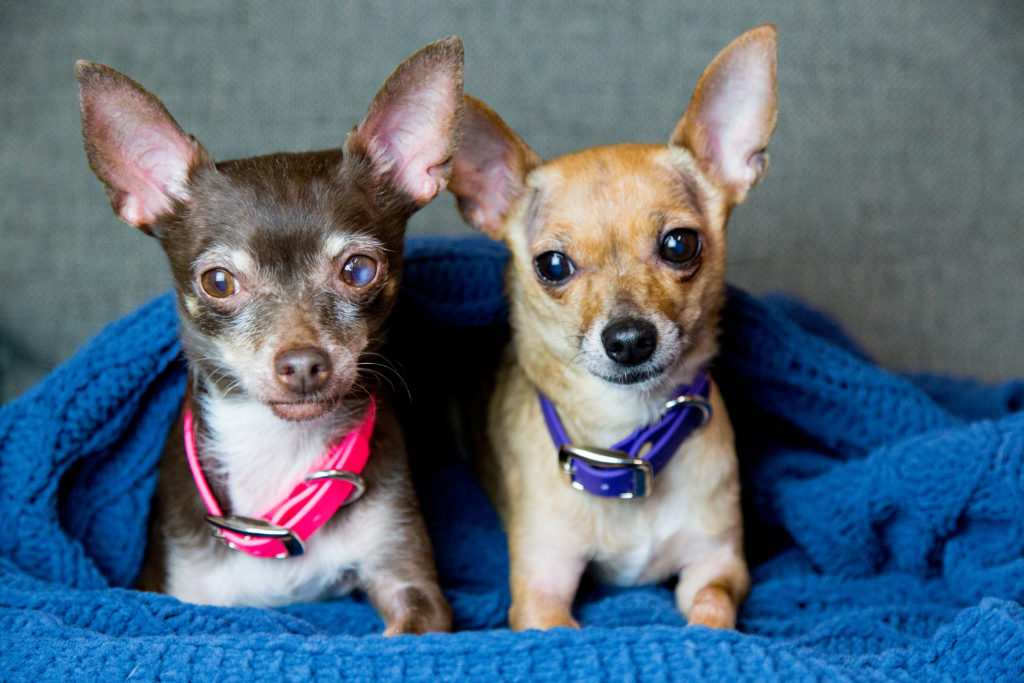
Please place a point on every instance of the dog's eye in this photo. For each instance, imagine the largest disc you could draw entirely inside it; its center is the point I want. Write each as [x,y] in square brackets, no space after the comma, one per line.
[218,283]
[553,267]
[681,246]
[359,271]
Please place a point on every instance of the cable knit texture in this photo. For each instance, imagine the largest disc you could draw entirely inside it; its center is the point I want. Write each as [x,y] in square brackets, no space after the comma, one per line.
[884,515]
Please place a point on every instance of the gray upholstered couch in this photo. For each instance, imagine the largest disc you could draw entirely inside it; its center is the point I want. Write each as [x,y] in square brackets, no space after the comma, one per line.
[895,200]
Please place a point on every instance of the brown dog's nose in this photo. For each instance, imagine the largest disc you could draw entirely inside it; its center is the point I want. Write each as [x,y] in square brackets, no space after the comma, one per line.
[303,370]
[629,341]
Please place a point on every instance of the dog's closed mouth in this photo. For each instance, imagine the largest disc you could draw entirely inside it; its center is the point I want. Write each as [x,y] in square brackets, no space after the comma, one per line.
[635,375]
[302,410]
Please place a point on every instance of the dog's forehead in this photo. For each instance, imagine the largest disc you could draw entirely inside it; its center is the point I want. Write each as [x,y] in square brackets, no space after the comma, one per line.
[615,191]
[284,207]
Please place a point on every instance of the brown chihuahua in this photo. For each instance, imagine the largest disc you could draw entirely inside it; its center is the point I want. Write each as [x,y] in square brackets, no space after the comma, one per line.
[285,269]
[615,288]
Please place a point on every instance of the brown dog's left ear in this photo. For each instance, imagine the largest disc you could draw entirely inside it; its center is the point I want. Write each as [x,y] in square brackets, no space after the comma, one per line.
[733,111]
[414,123]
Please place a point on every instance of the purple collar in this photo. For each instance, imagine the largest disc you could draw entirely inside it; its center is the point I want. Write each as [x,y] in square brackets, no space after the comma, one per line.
[625,470]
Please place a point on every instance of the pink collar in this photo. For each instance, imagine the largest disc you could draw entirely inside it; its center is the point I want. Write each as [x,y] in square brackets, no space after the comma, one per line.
[281,530]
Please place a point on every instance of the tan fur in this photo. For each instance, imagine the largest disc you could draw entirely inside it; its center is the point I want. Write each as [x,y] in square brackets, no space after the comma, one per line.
[608,208]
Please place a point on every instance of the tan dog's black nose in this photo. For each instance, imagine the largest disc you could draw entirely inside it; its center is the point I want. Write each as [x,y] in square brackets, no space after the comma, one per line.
[629,341]
[303,370]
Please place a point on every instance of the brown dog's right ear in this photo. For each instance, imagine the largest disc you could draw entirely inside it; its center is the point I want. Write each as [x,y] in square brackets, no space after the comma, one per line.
[134,146]
[488,169]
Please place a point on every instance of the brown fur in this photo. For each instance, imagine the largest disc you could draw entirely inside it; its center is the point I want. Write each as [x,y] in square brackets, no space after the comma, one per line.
[284,225]
[608,209]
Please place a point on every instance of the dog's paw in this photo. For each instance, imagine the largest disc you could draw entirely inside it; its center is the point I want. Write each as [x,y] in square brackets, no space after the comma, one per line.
[520,619]
[714,608]
[420,612]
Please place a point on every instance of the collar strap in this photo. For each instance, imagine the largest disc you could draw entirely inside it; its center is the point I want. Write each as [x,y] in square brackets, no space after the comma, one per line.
[627,469]
[282,529]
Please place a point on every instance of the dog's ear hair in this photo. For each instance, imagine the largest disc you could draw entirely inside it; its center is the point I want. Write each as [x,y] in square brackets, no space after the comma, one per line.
[489,169]
[413,124]
[134,146]
[732,112]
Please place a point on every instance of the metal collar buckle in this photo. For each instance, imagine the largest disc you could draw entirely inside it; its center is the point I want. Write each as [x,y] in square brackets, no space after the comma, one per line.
[259,528]
[643,473]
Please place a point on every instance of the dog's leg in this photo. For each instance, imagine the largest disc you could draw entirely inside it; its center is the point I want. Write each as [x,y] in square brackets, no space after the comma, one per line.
[543,580]
[413,608]
[403,586]
[397,571]
[709,590]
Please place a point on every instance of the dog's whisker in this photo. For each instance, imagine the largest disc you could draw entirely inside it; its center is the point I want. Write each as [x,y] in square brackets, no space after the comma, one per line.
[387,365]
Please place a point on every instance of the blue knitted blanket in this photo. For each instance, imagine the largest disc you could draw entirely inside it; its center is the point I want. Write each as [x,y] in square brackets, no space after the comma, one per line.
[884,515]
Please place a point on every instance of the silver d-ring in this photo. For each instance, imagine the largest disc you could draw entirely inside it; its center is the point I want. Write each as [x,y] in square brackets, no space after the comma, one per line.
[358,483]
[693,400]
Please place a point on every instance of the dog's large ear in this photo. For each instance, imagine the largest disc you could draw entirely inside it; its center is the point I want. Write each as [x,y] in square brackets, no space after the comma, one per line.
[134,146]
[732,112]
[413,124]
[489,168]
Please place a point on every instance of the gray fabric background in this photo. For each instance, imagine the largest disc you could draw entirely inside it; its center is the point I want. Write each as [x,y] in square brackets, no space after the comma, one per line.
[895,199]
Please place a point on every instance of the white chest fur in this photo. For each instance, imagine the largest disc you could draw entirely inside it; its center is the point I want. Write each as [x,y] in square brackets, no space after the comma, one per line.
[257,454]
[691,512]
[259,458]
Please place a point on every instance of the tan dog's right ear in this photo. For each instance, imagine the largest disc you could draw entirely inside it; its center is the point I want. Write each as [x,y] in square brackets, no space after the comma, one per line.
[733,111]
[489,169]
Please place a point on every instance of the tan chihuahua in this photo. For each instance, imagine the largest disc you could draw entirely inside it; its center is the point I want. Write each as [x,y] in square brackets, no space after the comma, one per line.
[615,285]
[286,267]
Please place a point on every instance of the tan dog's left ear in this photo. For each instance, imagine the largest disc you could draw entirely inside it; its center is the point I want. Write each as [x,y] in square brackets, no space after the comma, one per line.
[732,112]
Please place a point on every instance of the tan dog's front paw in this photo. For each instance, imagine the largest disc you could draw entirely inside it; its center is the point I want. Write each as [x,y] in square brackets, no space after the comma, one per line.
[522,618]
[714,608]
